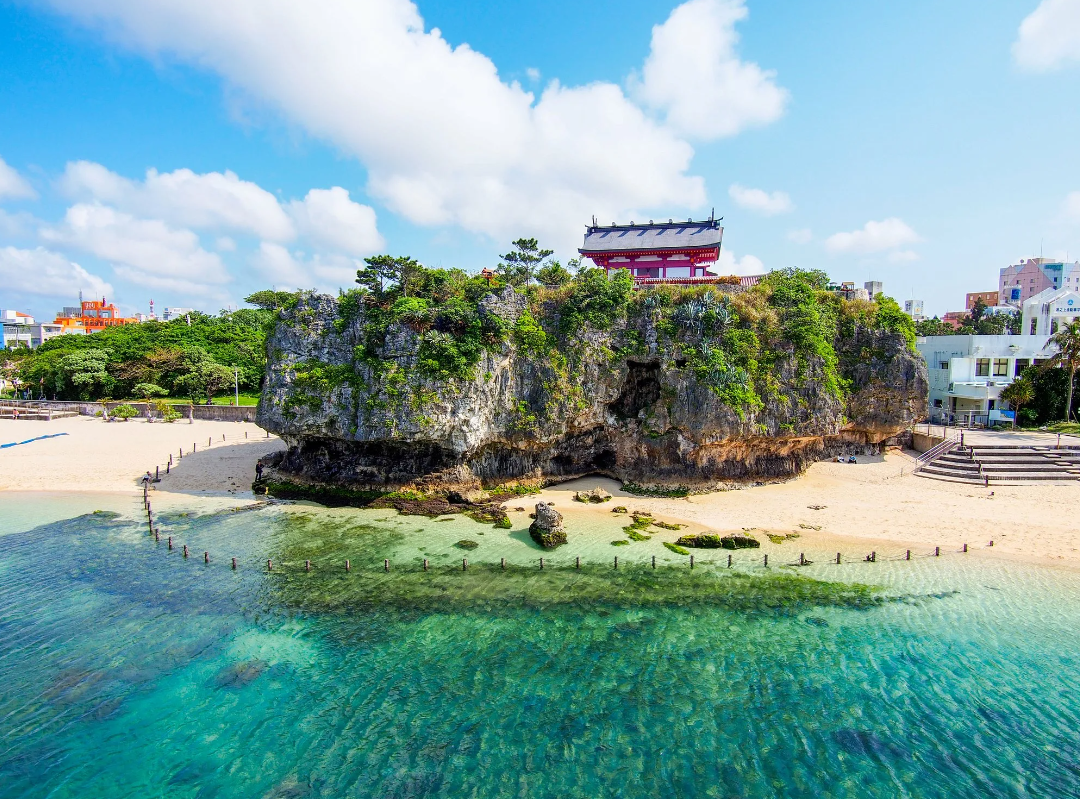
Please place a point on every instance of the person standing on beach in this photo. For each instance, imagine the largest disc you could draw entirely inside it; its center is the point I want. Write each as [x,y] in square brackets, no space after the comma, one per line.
[258,471]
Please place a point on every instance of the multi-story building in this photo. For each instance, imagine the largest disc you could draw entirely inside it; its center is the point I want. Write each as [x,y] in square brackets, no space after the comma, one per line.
[989,299]
[175,313]
[914,309]
[967,374]
[1021,281]
[20,330]
[1049,310]
[873,288]
[91,317]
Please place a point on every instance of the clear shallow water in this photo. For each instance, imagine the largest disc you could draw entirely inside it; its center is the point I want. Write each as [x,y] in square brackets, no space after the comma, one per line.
[126,671]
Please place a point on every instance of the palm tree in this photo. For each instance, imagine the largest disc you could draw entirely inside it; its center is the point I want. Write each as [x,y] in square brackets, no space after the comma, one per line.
[1019,392]
[1067,340]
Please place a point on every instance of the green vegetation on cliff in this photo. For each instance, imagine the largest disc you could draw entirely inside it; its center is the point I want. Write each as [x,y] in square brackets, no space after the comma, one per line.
[735,341]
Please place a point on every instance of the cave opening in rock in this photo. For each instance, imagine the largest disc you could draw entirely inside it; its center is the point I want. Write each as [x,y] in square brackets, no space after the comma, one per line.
[640,390]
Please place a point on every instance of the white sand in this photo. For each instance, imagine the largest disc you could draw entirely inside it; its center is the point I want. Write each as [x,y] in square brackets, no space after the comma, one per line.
[99,456]
[869,502]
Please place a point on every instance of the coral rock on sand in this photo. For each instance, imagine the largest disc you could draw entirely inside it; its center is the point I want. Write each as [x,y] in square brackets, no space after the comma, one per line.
[596,495]
[547,530]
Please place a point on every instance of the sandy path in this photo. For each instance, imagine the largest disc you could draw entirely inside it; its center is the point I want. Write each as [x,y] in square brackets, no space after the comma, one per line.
[97,456]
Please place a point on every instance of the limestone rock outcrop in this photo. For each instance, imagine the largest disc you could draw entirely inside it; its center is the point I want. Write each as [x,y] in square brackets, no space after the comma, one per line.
[547,529]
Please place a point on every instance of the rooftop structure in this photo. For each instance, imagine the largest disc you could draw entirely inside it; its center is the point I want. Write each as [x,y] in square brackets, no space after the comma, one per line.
[873,288]
[660,252]
[1048,310]
[989,299]
[1021,281]
[93,317]
[967,374]
[914,309]
[175,313]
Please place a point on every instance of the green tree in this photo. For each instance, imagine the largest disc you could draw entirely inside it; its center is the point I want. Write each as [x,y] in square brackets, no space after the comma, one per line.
[85,371]
[272,300]
[1018,393]
[553,274]
[934,327]
[522,263]
[1067,341]
[384,271]
[202,376]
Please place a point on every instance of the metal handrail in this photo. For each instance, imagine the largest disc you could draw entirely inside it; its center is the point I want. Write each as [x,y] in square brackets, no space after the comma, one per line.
[934,453]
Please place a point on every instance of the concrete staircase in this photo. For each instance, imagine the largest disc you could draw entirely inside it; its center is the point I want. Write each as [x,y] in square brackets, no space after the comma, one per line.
[1003,464]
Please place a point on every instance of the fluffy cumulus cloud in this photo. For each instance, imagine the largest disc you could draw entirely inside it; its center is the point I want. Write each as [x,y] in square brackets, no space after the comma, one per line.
[1049,37]
[328,217]
[213,200]
[46,273]
[761,201]
[13,185]
[147,252]
[289,270]
[694,75]
[728,264]
[445,140]
[888,234]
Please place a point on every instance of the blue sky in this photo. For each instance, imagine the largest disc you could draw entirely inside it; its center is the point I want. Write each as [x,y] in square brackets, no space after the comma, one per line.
[922,144]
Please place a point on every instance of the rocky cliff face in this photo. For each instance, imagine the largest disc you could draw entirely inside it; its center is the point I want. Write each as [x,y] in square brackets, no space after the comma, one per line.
[625,403]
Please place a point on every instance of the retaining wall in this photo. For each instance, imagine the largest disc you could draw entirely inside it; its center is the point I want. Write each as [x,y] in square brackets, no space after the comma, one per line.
[213,413]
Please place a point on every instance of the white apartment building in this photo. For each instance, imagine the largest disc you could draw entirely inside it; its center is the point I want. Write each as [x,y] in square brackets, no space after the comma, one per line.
[967,374]
[1048,310]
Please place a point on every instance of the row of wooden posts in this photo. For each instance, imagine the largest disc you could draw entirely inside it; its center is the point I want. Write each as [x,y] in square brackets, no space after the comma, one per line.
[871,558]
[209,443]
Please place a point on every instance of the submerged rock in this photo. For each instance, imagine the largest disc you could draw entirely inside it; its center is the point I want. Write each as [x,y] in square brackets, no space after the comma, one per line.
[466,544]
[713,541]
[237,675]
[547,530]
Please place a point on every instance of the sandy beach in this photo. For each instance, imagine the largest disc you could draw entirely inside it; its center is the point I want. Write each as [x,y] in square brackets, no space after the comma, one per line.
[875,501]
[87,454]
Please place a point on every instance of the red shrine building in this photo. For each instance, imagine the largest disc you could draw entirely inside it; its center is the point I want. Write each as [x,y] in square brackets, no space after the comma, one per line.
[659,252]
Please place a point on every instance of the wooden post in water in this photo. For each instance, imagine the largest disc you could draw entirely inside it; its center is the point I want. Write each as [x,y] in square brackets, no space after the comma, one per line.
[348,566]
[502,562]
[837,558]
[873,557]
[245,433]
[234,564]
[577,562]
[908,555]
[185,550]
[464,564]
[209,441]
[937,552]
[170,543]
[168,466]
[616,561]
[205,557]
[269,565]
[192,446]
[766,560]
[307,565]
[157,473]
[691,561]
[729,561]
[541,563]
[654,561]
[386,565]
[425,564]
[157,537]
[965,547]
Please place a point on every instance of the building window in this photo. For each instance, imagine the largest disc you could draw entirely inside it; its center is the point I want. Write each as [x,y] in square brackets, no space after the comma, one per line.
[943,365]
[937,403]
[1020,365]
[1001,367]
[982,367]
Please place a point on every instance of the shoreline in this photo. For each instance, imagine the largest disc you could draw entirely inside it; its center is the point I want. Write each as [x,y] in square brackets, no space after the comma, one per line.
[874,504]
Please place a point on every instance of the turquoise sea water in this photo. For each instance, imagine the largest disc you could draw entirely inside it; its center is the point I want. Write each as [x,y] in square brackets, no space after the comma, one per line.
[127,671]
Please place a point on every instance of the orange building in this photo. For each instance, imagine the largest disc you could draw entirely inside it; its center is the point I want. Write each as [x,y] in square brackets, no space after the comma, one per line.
[93,317]
[989,298]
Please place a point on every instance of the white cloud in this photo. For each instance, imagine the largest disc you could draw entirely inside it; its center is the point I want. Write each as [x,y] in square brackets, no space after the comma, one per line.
[14,185]
[328,217]
[874,237]
[903,256]
[215,200]
[224,244]
[145,251]
[761,201]
[728,264]
[695,77]
[285,269]
[444,139]
[801,236]
[46,273]
[533,74]
[1049,37]
[1070,207]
